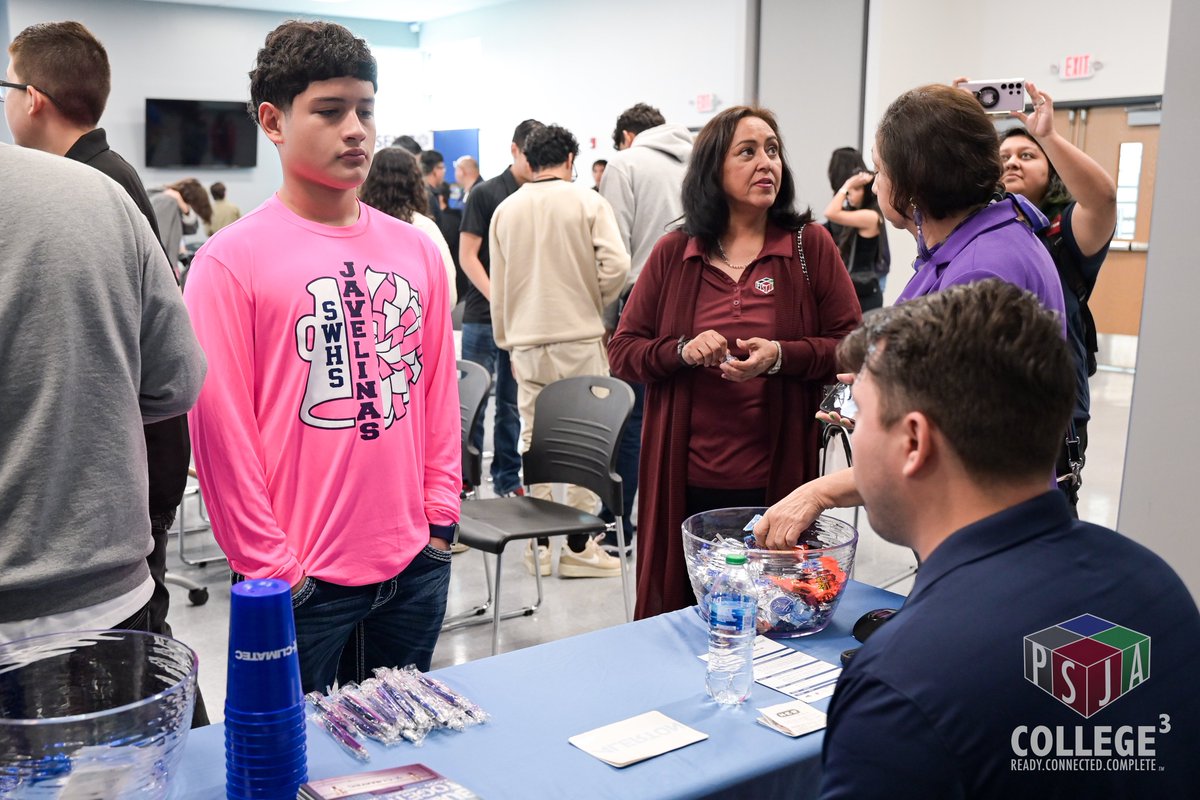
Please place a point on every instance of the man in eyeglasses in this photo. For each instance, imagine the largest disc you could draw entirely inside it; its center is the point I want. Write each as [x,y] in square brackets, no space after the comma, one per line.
[54,93]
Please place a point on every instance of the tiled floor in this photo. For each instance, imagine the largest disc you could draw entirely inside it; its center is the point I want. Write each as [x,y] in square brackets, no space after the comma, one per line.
[578,606]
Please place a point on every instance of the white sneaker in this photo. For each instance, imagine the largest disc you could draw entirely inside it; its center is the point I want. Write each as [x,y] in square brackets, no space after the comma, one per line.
[591,563]
[543,559]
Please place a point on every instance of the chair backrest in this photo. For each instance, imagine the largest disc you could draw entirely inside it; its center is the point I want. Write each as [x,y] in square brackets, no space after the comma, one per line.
[576,431]
[474,383]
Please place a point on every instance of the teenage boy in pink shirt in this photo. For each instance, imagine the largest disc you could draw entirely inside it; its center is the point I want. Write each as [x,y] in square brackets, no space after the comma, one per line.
[327,435]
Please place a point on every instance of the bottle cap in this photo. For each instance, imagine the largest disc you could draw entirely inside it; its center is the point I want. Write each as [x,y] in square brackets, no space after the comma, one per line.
[735,558]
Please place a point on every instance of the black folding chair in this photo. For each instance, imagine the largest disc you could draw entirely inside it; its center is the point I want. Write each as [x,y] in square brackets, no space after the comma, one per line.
[577,428]
[474,383]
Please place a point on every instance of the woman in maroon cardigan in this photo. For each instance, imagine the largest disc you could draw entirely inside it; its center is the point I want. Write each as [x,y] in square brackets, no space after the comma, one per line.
[733,342]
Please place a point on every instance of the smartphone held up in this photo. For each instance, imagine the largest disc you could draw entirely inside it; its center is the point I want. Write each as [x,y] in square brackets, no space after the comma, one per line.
[999,96]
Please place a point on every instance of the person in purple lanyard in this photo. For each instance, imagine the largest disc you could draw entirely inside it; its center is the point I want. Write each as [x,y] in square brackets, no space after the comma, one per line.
[938,174]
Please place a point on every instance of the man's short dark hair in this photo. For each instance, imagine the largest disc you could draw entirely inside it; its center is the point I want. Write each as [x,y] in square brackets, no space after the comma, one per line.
[550,146]
[986,362]
[522,132]
[429,160]
[636,119]
[600,162]
[67,63]
[939,149]
[217,190]
[408,143]
[299,53]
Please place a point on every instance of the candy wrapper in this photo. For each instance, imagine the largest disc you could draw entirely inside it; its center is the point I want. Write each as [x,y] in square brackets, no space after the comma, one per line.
[798,590]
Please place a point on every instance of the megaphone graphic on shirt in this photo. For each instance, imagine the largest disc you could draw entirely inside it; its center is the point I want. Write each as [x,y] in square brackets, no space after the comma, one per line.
[323,341]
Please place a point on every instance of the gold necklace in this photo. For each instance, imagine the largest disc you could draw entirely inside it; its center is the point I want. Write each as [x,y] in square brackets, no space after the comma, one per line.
[725,258]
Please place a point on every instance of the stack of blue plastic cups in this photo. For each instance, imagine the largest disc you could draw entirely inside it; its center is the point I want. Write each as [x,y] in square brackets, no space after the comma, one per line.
[265,754]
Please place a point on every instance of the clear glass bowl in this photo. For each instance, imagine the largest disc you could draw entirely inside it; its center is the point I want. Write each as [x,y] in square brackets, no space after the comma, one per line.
[799,589]
[93,714]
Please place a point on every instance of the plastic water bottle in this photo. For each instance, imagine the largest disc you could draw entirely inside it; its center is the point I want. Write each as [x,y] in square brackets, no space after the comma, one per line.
[733,608]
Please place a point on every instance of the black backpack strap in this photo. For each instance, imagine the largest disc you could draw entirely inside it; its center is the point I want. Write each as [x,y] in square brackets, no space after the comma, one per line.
[1072,279]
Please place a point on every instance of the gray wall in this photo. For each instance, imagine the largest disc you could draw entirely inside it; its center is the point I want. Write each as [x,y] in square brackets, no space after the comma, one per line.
[1164,436]
[810,75]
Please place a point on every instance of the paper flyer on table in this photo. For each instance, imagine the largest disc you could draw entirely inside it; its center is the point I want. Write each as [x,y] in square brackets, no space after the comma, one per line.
[636,739]
[796,674]
[793,718]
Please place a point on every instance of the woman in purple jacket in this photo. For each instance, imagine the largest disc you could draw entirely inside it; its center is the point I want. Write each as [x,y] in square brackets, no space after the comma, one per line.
[938,175]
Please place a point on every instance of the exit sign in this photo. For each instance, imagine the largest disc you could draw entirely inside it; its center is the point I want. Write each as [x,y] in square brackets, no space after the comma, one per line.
[1076,67]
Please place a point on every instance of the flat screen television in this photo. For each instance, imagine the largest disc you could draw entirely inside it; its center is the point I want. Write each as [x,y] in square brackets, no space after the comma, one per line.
[199,133]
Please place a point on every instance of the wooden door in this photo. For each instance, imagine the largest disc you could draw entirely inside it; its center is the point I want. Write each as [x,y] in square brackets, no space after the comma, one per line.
[1116,302]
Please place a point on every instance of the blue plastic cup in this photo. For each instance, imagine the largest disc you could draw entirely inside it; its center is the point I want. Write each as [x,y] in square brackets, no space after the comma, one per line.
[275,770]
[283,745]
[262,775]
[279,785]
[284,791]
[264,670]
[251,762]
[260,729]
[283,741]
[236,731]
[246,718]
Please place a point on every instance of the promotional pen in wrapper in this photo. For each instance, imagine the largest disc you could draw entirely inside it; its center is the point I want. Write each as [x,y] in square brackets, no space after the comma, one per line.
[342,737]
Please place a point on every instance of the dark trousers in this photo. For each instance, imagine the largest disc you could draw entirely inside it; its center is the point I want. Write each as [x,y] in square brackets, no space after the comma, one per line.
[160,601]
[344,632]
[628,455]
[478,345]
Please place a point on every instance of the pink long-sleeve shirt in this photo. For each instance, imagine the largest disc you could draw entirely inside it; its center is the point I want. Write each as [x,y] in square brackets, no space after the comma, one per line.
[327,434]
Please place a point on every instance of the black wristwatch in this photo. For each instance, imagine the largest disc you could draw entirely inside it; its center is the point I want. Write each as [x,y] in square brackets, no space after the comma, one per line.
[683,340]
[447,532]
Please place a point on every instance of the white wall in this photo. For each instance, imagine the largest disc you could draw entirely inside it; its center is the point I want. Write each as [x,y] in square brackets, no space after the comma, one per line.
[914,42]
[1157,496]
[580,64]
[181,51]
[810,75]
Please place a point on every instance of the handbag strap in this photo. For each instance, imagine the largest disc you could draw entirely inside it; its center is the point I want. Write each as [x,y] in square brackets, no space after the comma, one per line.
[800,252]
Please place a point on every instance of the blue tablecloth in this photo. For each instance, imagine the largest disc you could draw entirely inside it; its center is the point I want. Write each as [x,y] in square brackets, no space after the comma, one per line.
[540,696]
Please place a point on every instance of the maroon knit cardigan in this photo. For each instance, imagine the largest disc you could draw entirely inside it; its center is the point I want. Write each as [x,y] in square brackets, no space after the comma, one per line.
[811,317]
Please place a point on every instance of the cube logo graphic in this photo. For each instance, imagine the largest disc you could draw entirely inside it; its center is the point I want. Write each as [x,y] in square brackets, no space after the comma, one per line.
[1087,662]
[765,285]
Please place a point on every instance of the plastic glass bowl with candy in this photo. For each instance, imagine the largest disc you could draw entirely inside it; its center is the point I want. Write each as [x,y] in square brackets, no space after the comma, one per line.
[798,589]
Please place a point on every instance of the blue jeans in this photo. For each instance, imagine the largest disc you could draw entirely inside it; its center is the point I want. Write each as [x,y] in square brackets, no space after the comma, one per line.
[628,453]
[479,346]
[344,632]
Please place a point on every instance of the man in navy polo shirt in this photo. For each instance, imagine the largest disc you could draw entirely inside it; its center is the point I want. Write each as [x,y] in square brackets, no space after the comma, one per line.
[1037,655]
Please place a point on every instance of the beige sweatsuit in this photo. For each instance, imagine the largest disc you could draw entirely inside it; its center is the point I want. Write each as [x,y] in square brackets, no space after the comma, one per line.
[557,259]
